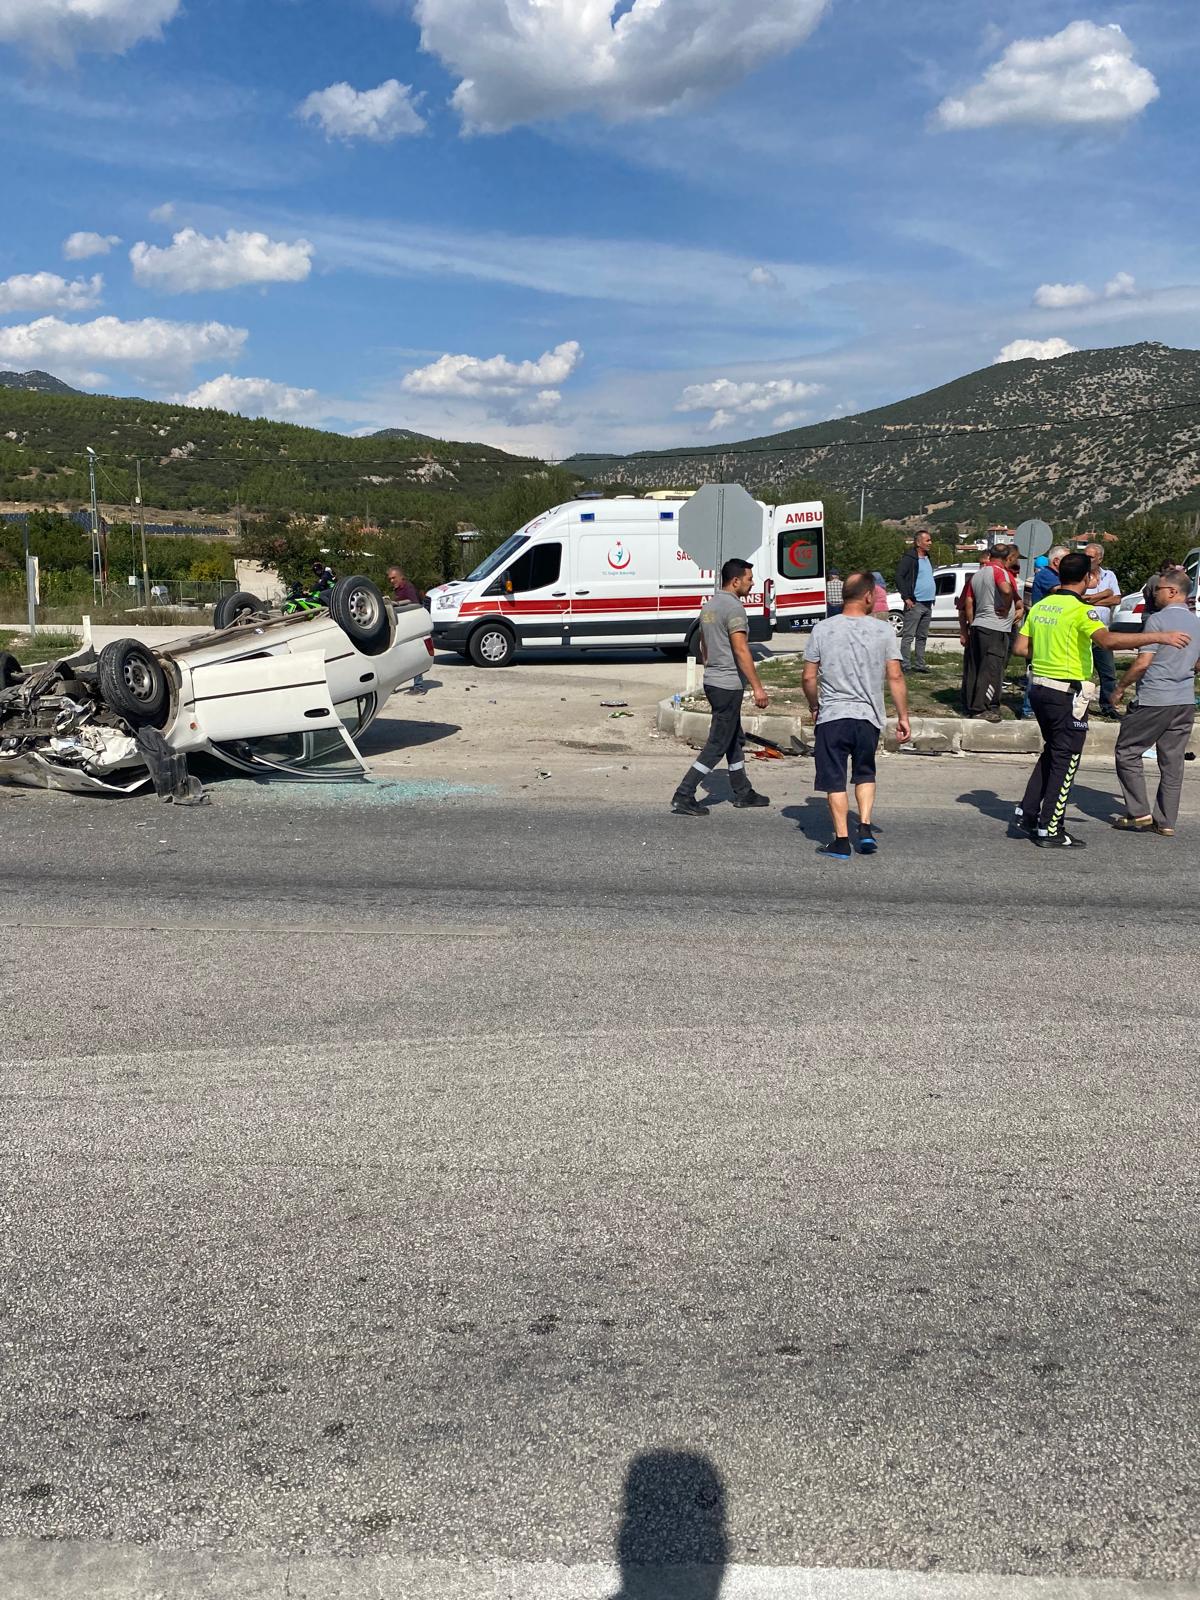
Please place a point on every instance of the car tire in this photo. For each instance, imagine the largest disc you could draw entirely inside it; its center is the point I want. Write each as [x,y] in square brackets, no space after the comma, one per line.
[493,645]
[133,684]
[360,611]
[11,670]
[896,618]
[230,607]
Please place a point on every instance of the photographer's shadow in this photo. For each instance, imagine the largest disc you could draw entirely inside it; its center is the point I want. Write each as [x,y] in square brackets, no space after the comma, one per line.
[673,1543]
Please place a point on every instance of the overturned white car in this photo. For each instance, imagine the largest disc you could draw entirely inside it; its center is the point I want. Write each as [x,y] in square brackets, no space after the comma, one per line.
[266,692]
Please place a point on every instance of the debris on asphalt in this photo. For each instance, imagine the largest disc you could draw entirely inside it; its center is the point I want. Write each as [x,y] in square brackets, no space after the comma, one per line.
[614,702]
[545,774]
[612,715]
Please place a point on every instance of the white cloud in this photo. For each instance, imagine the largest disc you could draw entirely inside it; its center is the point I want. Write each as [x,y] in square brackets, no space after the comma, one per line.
[763,278]
[1062,296]
[631,271]
[46,291]
[254,397]
[151,347]
[524,61]
[380,115]
[79,246]
[1054,296]
[732,402]
[193,262]
[1084,75]
[61,28]
[163,213]
[511,388]
[1034,350]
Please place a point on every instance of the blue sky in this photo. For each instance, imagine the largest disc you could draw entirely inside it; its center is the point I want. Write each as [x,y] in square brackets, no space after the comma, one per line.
[564,224]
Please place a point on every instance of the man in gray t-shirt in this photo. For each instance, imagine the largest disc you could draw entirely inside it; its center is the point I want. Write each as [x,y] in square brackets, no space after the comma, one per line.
[846,661]
[990,606]
[1163,714]
[728,669]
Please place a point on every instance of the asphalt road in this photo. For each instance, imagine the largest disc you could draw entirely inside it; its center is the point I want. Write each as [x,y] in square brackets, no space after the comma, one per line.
[428,1193]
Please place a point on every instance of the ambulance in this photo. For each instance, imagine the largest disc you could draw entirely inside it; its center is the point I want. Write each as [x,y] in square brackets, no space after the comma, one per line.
[608,574]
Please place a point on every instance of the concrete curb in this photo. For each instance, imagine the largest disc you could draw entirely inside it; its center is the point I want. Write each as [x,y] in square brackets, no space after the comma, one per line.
[930,735]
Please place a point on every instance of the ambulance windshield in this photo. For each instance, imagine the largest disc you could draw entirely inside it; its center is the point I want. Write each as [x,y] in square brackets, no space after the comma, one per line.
[496,560]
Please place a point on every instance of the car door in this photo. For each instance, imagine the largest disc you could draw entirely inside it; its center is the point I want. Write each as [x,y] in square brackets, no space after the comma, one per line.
[261,694]
[533,592]
[947,584]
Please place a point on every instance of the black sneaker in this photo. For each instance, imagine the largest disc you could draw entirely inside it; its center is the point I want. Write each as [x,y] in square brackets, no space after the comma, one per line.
[836,850]
[751,798]
[683,805]
[868,844]
[1061,840]
[1024,826]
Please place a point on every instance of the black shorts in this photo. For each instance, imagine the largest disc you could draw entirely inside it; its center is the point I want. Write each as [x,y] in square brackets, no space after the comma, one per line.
[852,739]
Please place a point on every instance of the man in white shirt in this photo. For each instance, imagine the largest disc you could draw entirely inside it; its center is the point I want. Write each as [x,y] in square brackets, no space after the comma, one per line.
[1103,593]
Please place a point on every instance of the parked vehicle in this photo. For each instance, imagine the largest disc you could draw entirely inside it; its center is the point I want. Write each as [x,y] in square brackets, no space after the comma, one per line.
[609,573]
[949,583]
[1129,616]
[267,693]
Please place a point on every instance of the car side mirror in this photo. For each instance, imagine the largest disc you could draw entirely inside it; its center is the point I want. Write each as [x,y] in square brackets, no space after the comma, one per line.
[508,587]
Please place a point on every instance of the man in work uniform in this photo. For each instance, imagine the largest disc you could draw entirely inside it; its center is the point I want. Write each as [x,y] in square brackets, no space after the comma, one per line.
[1058,636]
[728,667]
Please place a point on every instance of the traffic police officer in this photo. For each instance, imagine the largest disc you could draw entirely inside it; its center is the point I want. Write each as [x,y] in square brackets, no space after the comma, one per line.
[1057,636]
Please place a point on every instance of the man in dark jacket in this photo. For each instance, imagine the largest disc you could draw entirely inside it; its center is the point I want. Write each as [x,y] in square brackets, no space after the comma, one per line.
[914,580]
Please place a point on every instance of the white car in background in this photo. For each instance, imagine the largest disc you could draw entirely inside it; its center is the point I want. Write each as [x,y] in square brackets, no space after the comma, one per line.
[1130,615]
[266,693]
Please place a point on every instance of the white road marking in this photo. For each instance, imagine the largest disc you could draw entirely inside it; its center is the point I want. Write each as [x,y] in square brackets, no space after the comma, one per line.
[38,1570]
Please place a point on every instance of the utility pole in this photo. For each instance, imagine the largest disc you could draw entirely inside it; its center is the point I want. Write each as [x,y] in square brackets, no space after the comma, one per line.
[30,593]
[862,505]
[145,568]
[98,573]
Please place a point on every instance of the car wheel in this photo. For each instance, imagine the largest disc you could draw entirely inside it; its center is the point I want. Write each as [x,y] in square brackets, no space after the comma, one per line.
[10,670]
[493,645]
[132,683]
[896,618]
[230,607]
[358,608]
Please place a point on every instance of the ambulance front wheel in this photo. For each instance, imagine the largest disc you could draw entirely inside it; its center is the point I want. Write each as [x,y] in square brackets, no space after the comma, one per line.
[493,645]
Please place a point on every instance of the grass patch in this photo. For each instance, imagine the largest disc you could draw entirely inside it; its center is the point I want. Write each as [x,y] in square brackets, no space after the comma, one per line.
[936,693]
[43,646]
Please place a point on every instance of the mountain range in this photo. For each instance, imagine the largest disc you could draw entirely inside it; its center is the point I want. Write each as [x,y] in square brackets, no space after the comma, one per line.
[1094,436]
[213,462]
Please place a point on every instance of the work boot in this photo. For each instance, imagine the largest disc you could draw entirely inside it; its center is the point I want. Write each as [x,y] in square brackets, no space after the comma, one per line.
[746,798]
[686,805]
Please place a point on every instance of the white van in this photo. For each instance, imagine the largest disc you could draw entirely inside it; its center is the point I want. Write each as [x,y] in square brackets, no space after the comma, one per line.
[609,574]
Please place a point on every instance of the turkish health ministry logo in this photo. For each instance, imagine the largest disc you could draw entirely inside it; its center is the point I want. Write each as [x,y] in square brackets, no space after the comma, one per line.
[619,557]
